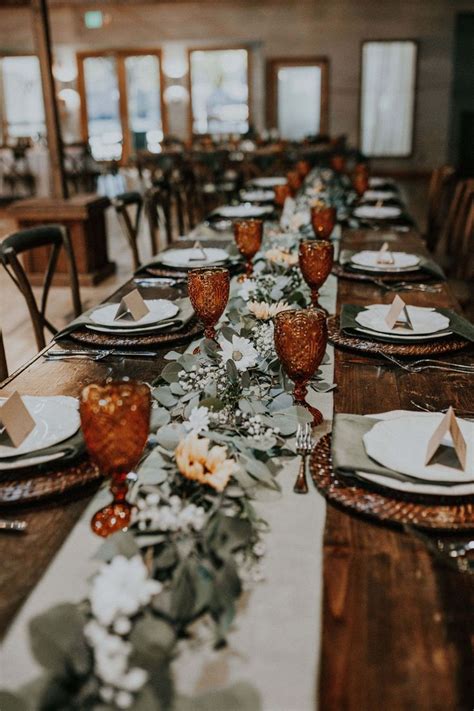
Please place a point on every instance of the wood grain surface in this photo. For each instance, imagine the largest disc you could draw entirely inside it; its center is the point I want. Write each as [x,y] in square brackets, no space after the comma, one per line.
[397,624]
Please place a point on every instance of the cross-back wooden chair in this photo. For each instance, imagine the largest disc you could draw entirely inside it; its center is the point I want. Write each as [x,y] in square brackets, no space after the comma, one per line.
[3,360]
[440,194]
[447,247]
[128,207]
[11,247]
[159,215]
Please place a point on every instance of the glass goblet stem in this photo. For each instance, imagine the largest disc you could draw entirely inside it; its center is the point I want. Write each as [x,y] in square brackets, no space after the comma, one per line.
[299,394]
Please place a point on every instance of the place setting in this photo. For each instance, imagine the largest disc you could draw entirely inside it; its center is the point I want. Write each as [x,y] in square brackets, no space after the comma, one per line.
[133,323]
[387,265]
[42,450]
[222,218]
[401,467]
[400,329]
[175,262]
[257,195]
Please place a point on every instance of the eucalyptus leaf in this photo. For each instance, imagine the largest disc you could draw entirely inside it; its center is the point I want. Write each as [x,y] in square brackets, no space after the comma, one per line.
[169,436]
[164,396]
[57,640]
[121,543]
[239,697]
[232,372]
[159,417]
[171,372]
[212,403]
[172,355]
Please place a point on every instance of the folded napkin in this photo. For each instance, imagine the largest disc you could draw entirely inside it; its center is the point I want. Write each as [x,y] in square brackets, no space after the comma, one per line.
[458,325]
[426,265]
[176,323]
[349,455]
[72,449]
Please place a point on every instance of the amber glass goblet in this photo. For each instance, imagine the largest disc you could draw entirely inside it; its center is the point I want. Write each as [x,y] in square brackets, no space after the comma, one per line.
[323,219]
[338,163]
[208,289]
[303,167]
[281,193]
[360,182]
[248,238]
[316,258]
[294,181]
[300,343]
[115,420]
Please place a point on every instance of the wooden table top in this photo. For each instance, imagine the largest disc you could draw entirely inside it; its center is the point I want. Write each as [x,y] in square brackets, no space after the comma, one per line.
[396,623]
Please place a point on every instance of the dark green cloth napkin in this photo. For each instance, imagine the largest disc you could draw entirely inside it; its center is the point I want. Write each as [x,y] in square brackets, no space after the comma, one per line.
[426,265]
[458,324]
[349,455]
[176,323]
[73,448]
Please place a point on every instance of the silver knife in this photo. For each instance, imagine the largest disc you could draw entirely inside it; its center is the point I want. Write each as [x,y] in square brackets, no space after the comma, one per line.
[13,525]
[51,355]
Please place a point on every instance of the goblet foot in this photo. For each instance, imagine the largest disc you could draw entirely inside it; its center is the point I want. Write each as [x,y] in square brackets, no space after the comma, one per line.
[112,518]
[210,332]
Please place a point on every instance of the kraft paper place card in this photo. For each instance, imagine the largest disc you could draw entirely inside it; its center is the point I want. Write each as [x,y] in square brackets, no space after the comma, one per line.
[448,425]
[132,307]
[398,315]
[16,420]
[197,245]
[385,256]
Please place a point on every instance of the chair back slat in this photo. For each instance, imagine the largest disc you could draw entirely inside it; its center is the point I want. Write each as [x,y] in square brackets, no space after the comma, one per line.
[55,236]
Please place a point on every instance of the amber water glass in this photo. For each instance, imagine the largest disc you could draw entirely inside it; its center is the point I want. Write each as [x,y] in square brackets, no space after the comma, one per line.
[338,163]
[294,181]
[323,220]
[303,167]
[316,258]
[115,421]
[208,289]
[300,343]
[248,238]
[281,193]
[360,182]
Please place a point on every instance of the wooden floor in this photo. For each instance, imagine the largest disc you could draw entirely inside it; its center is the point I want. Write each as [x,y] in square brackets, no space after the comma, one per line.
[14,320]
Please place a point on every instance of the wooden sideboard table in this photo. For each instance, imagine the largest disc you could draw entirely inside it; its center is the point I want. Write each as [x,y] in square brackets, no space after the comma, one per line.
[84,216]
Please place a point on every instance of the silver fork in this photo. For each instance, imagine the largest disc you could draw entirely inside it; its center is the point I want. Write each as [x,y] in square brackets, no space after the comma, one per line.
[418,366]
[304,447]
[9,525]
[407,286]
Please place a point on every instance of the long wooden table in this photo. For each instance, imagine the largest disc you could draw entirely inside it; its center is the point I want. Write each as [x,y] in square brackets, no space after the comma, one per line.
[396,623]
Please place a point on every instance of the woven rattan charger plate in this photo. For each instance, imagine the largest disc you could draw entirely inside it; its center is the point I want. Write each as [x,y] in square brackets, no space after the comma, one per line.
[31,485]
[416,276]
[92,338]
[438,347]
[391,507]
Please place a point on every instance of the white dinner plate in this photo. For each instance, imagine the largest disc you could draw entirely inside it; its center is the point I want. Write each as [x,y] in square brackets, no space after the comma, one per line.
[372,212]
[396,336]
[401,443]
[268,182]
[245,210]
[57,419]
[379,195]
[159,310]
[424,320]
[367,258]
[257,195]
[376,182]
[192,257]
[129,331]
[8,465]
[418,488]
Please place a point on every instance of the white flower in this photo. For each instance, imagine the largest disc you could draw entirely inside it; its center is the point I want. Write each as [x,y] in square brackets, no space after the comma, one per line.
[240,350]
[247,287]
[122,625]
[121,588]
[264,311]
[123,700]
[198,420]
[281,256]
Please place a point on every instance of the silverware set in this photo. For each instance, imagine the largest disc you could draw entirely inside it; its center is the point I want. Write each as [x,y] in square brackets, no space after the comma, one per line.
[304,446]
[407,286]
[11,525]
[96,354]
[425,407]
[421,364]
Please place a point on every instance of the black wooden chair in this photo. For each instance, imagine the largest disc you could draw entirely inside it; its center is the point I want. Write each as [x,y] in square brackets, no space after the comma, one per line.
[56,237]
[159,214]
[125,205]
[3,361]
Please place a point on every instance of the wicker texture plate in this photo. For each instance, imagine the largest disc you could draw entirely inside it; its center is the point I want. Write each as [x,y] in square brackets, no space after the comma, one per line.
[378,503]
[439,347]
[33,486]
[416,276]
[94,338]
